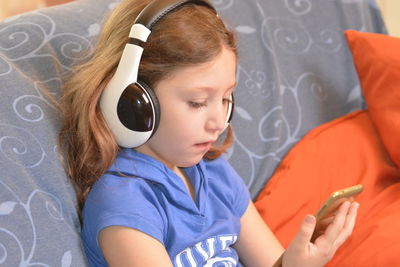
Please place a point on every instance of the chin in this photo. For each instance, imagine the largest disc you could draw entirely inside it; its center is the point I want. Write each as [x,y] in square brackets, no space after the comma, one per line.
[191,162]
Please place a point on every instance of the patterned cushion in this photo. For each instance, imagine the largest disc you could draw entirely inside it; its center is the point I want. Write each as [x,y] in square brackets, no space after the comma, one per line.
[295,72]
[38,220]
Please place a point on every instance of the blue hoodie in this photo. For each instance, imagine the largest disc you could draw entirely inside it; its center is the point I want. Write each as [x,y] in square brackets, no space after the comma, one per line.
[140,192]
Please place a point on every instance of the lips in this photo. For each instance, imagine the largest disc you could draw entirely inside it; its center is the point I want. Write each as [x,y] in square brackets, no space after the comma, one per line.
[205,145]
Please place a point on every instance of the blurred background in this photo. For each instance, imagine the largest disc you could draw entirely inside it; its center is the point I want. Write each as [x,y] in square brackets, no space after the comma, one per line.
[10,8]
[390,10]
[391,14]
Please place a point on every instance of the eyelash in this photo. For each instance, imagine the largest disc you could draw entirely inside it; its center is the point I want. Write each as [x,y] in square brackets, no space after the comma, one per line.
[198,105]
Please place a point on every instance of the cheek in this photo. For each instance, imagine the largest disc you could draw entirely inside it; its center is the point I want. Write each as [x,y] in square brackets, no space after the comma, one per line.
[170,121]
[180,124]
[177,116]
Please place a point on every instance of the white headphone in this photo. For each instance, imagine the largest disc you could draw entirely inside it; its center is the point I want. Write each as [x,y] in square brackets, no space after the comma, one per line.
[129,106]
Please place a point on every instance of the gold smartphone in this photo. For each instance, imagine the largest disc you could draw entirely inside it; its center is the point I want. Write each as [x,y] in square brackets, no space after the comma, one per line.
[328,208]
[331,205]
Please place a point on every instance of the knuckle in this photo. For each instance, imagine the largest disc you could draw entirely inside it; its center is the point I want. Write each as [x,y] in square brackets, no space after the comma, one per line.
[327,253]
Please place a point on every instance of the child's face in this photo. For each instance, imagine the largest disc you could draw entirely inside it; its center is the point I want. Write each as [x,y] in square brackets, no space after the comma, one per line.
[194,103]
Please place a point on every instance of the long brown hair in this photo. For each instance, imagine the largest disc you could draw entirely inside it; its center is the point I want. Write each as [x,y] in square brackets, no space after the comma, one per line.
[190,35]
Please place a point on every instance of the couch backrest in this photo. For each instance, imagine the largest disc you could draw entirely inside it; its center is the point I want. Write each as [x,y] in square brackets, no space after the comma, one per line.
[294,73]
[38,219]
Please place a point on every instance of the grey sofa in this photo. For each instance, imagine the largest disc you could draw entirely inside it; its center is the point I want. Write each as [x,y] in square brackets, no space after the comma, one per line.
[295,72]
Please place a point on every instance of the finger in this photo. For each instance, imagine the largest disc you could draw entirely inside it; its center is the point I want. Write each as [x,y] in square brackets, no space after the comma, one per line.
[335,228]
[324,223]
[321,227]
[305,232]
[348,225]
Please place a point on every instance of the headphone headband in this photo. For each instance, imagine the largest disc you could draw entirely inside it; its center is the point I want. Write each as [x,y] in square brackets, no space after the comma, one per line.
[156,10]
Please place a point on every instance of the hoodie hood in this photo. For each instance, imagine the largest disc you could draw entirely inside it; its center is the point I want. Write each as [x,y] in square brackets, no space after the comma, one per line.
[130,163]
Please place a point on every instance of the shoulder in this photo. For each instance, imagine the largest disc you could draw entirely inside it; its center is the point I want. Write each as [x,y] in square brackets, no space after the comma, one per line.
[217,165]
[220,168]
[118,193]
[114,186]
[226,184]
[124,201]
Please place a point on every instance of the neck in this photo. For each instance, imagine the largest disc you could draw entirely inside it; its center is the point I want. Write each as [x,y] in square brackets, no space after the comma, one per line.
[186,181]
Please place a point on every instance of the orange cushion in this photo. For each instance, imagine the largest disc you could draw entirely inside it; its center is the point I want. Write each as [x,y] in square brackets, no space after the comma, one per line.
[360,148]
[341,153]
[377,60]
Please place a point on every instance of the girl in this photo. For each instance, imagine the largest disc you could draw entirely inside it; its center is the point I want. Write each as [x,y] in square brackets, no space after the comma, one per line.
[156,191]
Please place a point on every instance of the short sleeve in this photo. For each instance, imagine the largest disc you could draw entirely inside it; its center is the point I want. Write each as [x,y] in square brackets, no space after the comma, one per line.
[121,201]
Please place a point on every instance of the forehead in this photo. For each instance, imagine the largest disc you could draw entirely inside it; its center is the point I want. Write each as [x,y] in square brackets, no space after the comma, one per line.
[220,72]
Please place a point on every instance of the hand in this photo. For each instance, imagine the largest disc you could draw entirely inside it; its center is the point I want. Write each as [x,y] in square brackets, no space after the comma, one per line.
[301,252]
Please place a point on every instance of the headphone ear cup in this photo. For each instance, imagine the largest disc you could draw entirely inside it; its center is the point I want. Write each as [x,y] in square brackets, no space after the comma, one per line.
[156,105]
[230,110]
[138,109]
[231,107]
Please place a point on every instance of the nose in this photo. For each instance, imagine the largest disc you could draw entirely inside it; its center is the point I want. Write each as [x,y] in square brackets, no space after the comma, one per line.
[216,120]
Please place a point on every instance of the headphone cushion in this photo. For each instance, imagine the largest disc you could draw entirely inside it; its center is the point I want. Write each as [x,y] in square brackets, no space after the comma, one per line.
[138,108]
[156,104]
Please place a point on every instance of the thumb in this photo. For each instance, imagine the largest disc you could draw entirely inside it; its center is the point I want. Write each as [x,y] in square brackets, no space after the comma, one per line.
[305,233]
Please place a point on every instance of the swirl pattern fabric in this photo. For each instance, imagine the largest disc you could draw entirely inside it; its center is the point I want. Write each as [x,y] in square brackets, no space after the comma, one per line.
[295,72]
[38,219]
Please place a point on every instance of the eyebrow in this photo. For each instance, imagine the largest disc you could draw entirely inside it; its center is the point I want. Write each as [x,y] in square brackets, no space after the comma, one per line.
[212,88]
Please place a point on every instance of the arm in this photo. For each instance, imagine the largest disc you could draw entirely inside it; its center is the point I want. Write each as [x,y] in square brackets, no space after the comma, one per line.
[124,246]
[256,245]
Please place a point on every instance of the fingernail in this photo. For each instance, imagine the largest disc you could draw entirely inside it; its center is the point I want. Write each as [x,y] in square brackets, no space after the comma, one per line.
[309,219]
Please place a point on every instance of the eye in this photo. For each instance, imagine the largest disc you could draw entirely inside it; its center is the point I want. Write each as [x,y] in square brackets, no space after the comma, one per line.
[194,104]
